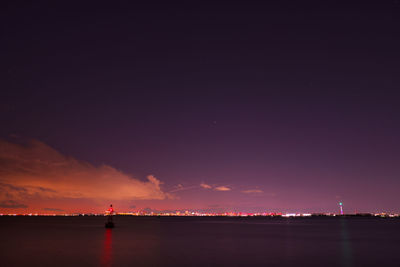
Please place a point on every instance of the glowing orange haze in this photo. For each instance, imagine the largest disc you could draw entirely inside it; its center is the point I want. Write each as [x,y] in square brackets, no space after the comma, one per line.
[37,178]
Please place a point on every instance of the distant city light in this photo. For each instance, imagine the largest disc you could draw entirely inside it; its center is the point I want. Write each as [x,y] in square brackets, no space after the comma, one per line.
[212,214]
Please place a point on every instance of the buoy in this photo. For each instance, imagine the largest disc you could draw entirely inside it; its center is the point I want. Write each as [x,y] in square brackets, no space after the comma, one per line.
[109,214]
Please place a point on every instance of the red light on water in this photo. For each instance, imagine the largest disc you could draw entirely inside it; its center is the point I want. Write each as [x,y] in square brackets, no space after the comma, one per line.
[106,256]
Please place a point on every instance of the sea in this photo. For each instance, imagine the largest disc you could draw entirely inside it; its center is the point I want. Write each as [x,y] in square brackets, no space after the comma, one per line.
[199,241]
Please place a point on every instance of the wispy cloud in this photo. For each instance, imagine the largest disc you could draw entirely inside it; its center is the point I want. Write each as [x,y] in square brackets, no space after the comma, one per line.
[180,187]
[12,204]
[206,186]
[253,191]
[53,209]
[36,170]
[222,188]
[215,188]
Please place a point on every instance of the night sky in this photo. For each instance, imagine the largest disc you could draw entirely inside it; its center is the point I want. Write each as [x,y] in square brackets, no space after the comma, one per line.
[277,106]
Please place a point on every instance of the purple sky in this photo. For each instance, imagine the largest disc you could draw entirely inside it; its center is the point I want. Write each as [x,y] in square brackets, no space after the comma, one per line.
[291,106]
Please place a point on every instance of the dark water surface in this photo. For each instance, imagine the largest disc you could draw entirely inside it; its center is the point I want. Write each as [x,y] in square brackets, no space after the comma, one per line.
[200,241]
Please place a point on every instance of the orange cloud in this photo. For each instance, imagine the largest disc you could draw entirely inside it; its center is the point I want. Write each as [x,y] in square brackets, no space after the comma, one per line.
[36,170]
[206,186]
[222,188]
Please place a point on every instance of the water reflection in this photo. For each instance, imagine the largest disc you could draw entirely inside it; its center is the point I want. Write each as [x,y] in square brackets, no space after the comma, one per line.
[106,256]
[289,242]
[346,251]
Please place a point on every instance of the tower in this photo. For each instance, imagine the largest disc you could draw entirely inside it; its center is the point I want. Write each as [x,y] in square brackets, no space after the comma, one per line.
[341,208]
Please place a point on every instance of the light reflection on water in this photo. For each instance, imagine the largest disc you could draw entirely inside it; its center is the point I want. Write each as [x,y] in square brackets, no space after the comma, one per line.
[346,256]
[106,256]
